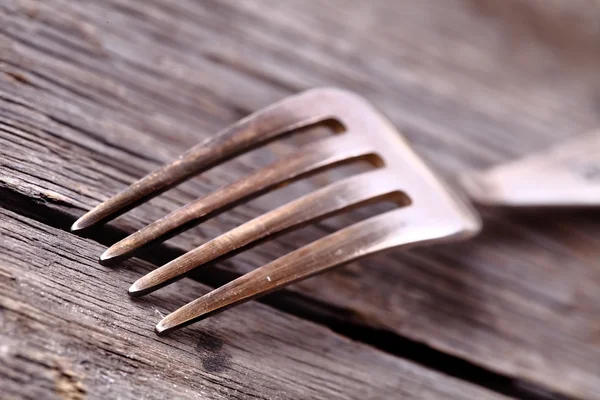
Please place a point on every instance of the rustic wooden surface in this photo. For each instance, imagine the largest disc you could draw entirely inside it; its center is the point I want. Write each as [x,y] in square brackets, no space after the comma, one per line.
[67,330]
[95,94]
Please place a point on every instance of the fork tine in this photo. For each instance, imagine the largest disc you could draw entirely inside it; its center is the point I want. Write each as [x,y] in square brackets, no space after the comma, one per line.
[310,160]
[289,114]
[382,232]
[341,196]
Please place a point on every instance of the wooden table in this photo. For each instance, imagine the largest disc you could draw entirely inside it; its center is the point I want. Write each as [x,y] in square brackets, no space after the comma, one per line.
[94,94]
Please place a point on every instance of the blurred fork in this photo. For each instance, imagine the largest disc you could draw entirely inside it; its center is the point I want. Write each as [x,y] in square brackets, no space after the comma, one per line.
[429,212]
[565,175]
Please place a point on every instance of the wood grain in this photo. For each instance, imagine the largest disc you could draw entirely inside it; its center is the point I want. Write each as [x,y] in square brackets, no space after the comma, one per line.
[70,331]
[96,94]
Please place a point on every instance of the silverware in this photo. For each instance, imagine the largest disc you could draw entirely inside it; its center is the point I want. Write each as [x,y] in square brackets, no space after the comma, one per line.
[428,212]
[565,175]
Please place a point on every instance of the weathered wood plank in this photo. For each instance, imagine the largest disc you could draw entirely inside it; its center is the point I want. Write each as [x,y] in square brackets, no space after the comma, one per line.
[69,330]
[95,94]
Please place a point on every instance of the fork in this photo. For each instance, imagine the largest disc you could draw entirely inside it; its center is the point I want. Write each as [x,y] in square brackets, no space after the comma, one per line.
[428,212]
[565,175]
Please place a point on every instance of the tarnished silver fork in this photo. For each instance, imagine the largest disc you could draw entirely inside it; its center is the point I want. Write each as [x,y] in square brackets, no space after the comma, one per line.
[428,211]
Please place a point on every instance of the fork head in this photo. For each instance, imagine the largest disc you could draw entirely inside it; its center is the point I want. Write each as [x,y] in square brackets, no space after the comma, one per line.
[428,212]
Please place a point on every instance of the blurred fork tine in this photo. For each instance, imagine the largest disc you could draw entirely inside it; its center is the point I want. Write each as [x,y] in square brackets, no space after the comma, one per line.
[290,114]
[341,196]
[382,232]
[309,160]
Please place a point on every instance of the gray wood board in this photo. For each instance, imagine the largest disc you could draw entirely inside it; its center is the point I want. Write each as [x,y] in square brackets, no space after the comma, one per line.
[96,94]
[69,329]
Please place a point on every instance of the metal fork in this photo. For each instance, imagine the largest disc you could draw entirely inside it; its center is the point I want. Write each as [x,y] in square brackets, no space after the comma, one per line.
[565,175]
[428,211]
